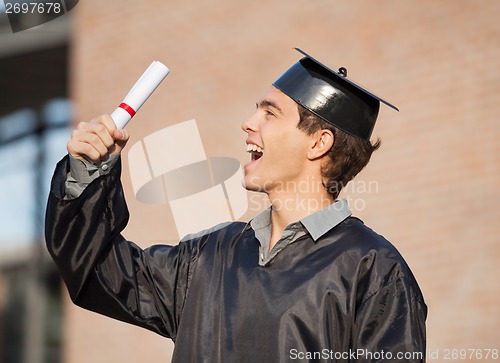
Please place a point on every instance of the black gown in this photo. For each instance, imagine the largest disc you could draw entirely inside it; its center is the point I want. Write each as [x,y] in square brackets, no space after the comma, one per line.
[348,297]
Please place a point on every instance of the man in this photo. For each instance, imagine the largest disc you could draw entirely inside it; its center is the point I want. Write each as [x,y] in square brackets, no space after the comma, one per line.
[303,281]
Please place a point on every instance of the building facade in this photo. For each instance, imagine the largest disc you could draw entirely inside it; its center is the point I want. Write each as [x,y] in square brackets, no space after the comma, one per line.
[432,188]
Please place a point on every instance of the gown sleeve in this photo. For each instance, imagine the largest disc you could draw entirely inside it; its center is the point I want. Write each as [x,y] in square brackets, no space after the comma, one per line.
[105,273]
[390,323]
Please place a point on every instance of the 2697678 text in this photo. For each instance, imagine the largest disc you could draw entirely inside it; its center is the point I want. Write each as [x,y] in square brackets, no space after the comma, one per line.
[33,8]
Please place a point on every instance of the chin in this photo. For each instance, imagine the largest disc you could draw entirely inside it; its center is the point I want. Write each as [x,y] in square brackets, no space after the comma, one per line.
[252,186]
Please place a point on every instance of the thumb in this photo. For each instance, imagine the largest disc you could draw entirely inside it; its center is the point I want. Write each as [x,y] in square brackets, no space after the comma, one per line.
[121,137]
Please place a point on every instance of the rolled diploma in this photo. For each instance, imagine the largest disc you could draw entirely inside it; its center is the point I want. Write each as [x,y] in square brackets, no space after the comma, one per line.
[139,93]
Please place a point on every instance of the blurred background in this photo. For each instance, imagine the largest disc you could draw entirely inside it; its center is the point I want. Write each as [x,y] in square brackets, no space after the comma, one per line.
[432,189]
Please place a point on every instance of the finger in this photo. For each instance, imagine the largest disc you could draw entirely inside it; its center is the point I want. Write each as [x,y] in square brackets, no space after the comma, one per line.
[98,129]
[82,150]
[93,139]
[107,122]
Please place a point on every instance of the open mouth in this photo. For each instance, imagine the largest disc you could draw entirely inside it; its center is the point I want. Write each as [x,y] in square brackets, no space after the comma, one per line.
[256,156]
[255,151]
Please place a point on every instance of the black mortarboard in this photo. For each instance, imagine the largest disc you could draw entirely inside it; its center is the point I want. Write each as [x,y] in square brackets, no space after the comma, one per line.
[331,96]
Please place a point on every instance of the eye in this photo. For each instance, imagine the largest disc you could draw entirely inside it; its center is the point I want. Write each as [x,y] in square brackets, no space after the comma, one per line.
[268,112]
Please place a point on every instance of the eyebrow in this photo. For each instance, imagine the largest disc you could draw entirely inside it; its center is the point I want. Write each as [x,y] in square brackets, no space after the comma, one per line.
[269,103]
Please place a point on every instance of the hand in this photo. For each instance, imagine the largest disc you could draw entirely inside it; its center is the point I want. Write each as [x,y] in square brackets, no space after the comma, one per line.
[97,139]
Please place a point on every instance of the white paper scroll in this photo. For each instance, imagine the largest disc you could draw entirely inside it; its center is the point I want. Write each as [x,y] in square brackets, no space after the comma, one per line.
[139,93]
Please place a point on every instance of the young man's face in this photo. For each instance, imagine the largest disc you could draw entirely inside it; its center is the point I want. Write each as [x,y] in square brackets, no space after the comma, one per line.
[277,147]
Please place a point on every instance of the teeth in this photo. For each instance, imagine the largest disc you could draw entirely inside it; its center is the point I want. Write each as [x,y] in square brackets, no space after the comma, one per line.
[254,148]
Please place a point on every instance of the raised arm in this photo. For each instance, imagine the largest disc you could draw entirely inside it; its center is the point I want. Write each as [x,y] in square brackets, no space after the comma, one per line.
[102,271]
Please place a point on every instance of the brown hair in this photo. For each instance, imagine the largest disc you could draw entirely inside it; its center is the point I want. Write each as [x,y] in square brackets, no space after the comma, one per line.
[347,157]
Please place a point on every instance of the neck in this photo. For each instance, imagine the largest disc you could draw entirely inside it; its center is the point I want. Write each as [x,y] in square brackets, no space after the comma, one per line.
[292,205]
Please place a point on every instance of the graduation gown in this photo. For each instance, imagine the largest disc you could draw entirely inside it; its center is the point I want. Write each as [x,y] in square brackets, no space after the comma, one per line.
[349,296]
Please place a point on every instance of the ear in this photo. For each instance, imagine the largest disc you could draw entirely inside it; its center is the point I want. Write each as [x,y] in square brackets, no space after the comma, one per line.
[322,142]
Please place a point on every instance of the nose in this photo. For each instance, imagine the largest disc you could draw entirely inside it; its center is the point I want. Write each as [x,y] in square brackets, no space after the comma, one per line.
[250,124]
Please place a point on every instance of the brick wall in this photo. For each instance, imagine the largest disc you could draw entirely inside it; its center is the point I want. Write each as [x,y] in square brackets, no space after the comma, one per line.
[431,189]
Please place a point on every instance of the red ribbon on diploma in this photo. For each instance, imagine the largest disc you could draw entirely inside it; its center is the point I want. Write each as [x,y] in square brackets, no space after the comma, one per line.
[127,108]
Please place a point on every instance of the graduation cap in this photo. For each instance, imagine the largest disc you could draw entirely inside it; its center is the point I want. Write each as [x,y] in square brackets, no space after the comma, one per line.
[331,96]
